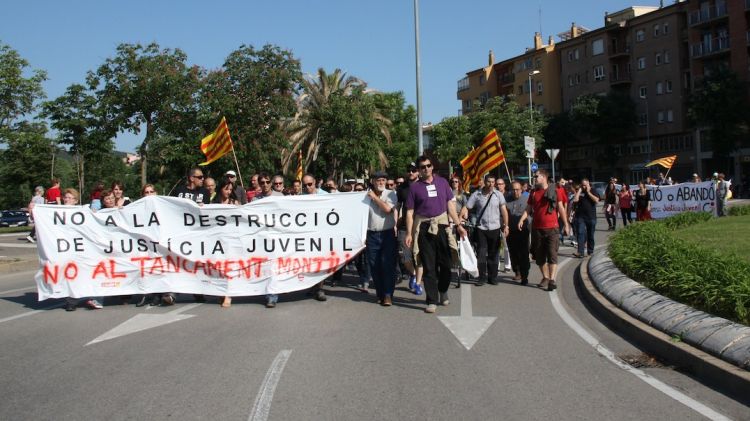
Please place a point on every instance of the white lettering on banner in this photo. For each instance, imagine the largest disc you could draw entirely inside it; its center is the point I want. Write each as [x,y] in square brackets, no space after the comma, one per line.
[166,244]
[667,201]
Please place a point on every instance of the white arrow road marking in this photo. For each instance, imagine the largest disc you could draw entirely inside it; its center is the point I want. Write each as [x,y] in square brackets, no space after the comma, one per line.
[143,322]
[18,246]
[31,313]
[262,405]
[467,328]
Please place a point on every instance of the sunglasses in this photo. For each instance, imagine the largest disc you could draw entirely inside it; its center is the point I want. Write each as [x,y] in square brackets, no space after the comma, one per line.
[413,170]
[278,183]
[425,166]
[231,176]
[309,184]
[263,182]
[200,177]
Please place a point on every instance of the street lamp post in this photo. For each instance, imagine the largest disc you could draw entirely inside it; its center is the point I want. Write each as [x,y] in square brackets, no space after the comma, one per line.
[531,112]
[419,79]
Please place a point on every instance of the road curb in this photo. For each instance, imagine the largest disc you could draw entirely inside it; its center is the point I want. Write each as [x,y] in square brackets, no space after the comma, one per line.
[722,375]
[18,266]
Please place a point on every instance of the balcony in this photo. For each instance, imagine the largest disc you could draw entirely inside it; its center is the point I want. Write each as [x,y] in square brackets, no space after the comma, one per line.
[619,52]
[700,17]
[620,79]
[705,49]
[463,84]
[507,78]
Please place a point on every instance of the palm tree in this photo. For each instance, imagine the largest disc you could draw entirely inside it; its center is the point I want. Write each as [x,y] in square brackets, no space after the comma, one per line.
[304,128]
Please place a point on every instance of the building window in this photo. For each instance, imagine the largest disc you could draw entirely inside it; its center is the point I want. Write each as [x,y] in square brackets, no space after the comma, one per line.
[665,28]
[657,59]
[642,119]
[576,54]
[640,35]
[668,86]
[659,88]
[570,56]
[656,30]
[597,47]
[578,78]
[482,79]
[538,63]
[570,80]
[599,72]
[666,56]
[539,89]
[670,116]
[660,117]
[641,63]
[642,91]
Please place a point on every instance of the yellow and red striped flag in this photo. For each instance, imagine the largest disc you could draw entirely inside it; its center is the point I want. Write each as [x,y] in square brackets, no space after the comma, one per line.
[217,144]
[299,165]
[483,159]
[665,162]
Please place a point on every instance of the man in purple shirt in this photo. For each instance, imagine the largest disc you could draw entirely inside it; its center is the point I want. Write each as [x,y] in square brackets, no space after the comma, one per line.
[429,205]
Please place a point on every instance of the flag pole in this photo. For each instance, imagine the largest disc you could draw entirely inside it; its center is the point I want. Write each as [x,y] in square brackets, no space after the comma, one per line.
[237,164]
[668,170]
[505,161]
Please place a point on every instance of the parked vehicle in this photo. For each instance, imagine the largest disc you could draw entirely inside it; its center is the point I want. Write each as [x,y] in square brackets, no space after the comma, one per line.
[14,218]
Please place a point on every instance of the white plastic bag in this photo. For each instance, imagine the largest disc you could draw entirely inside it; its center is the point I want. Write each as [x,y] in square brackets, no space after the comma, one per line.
[468,258]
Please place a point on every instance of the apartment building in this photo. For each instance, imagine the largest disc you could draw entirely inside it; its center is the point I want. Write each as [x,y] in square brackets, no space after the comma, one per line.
[719,37]
[539,65]
[655,55]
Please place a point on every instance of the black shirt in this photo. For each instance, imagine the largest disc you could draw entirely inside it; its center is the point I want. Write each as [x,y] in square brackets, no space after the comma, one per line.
[402,192]
[585,207]
[641,200]
[199,195]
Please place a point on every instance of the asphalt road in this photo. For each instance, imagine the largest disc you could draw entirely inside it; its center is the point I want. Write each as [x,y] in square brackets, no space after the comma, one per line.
[346,358]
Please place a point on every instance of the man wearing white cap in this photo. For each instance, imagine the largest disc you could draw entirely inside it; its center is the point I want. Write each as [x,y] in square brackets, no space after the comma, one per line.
[238,190]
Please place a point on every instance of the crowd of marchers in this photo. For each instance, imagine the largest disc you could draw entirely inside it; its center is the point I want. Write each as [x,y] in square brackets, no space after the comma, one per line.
[416,220]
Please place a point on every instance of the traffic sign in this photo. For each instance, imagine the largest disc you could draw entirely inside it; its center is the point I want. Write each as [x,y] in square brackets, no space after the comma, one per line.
[534,166]
[529,144]
[552,153]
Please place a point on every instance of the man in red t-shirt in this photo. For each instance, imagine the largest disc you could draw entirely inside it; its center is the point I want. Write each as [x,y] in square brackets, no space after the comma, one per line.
[53,195]
[546,205]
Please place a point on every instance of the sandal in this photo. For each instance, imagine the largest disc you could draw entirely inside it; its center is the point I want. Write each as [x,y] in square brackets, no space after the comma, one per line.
[543,284]
[227,302]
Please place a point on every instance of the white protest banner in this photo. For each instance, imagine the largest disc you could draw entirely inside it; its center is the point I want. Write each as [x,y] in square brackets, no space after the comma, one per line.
[667,201]
[166,244]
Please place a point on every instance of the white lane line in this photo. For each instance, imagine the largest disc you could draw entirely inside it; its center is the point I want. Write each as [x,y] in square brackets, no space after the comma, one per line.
[31,313]
[604,351]
[262,405]
[17,234]
[10,291]
[18,246]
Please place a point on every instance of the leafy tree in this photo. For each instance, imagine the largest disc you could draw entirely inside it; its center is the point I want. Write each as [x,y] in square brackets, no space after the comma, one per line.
[455,136]
[27,162]
[403,130]
[145,86]
[18,92]
[314,117]
[721,104]
[255,91]
[76,117]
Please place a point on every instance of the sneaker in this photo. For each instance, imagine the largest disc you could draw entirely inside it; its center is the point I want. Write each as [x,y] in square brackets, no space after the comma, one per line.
[552,285]
[320,295]
[413,282]
[492,281]
[430,308]
[364,287]
[167,299]
[30,239]
[524,281]
[386,302]
[270,304]
[444,300]
[94,305]
[480,282]
[418,289]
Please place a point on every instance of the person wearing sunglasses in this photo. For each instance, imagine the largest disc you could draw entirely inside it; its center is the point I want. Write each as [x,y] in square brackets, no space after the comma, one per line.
[277,184]
[239,191]
[266,188]
[430,209]
[192,190]
[407,258]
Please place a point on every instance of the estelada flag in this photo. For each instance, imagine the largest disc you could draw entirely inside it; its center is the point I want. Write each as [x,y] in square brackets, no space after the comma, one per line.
[483,159]
[665,162]
[299,165]
[217,144]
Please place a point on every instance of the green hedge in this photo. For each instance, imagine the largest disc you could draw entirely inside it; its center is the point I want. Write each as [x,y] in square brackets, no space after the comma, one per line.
[739,210]
[686,272]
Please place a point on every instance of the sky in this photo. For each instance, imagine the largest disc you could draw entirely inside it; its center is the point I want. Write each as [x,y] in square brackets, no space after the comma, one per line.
[372,40]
